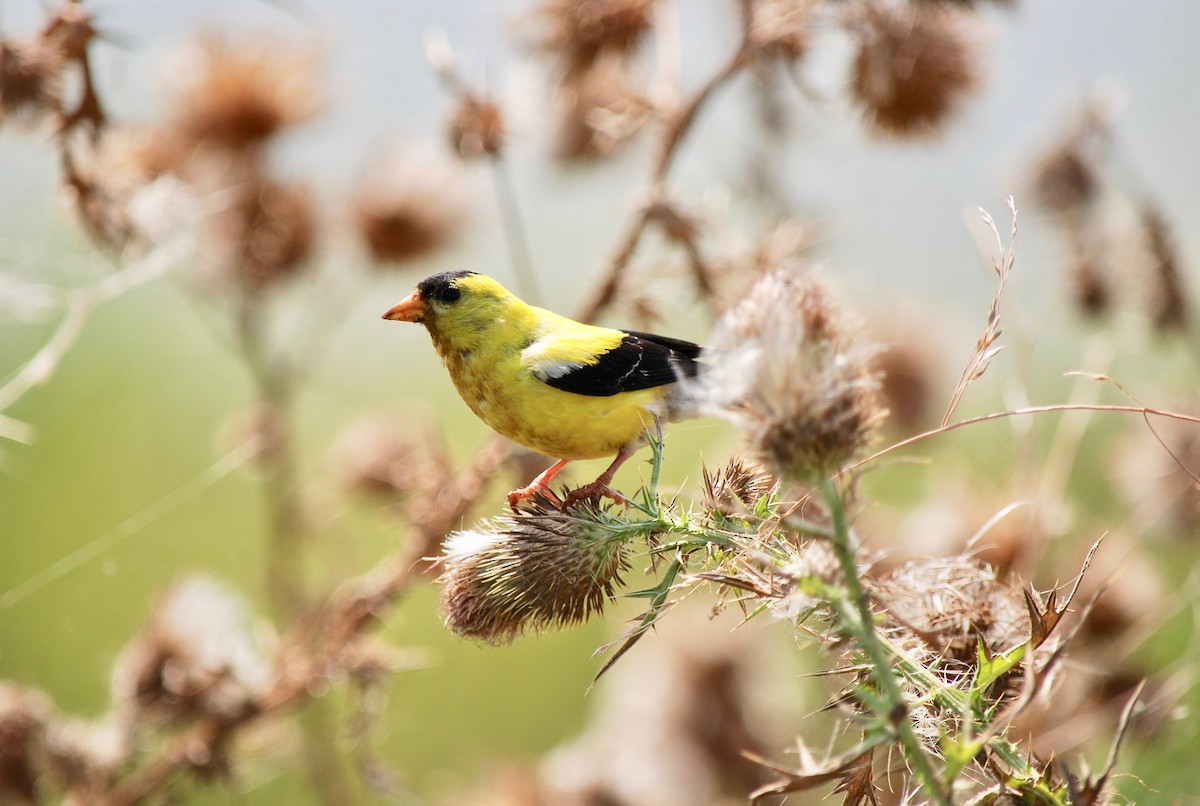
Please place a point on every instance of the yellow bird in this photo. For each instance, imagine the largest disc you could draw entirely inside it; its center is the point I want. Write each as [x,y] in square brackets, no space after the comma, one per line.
[562,388]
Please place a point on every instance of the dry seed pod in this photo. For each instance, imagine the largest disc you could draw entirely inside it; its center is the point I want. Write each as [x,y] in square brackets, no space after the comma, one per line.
[913,70]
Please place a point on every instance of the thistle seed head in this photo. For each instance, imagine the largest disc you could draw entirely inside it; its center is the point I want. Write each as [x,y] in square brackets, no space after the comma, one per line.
[914,68]
[538,569]
[410,202]
[196,656]
[785,368]
[237,95]
[944,608]
[578,32]
[476,127]
[30,80]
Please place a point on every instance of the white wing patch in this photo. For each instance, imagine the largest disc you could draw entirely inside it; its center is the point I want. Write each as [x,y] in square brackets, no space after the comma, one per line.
[544,366]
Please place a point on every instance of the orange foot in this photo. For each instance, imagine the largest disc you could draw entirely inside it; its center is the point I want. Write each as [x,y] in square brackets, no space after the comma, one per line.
[525,493]
[539,485]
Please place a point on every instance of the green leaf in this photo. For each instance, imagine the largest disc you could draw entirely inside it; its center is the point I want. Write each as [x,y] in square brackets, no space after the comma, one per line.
[991,667]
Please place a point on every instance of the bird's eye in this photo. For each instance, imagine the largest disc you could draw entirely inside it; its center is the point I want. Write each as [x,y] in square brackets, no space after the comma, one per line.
[450,294]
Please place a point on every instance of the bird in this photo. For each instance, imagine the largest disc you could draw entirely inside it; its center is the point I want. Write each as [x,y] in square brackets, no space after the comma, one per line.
[565,389]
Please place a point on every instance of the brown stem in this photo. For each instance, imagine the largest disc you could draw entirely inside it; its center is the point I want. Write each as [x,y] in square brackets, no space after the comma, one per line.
[677,128]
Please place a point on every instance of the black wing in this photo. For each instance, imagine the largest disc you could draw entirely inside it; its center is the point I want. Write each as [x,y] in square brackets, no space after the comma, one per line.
[640,361]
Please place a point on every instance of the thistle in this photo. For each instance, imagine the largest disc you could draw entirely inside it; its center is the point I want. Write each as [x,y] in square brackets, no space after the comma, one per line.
[540,568]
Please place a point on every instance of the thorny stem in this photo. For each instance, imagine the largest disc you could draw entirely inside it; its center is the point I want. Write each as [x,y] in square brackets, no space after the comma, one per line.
[861,623]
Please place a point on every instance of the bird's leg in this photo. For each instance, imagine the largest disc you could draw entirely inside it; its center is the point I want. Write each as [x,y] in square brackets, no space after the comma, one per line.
[600,486]
[541,484]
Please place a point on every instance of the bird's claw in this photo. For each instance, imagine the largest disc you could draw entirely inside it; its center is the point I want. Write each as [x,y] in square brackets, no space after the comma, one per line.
[592,492]
[517,496]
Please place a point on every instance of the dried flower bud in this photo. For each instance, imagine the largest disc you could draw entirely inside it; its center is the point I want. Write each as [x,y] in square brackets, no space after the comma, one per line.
[578,32]
[779,28]
[913,70]
[1065,180]
[541,568]
[598,112]
[943,608]
[1088,275]
[30,80]
[196,656]
[384,456]
[908,368]
[476,128]
[410,203]
[1169,307]
[25,717]
[237,95]
[270,230]
[736,487]
[784,367]
[69,30]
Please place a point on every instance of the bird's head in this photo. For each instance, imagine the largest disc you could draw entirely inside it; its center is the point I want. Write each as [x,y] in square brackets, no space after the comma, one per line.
[455,302]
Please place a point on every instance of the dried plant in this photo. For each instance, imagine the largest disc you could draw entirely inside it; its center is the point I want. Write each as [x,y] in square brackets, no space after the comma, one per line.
[914,68]
[932,669]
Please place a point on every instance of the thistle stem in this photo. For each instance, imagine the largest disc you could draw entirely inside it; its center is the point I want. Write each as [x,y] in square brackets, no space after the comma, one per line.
[856,616]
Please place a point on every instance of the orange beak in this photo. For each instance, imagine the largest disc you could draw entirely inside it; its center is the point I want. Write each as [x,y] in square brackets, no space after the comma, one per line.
[411,310]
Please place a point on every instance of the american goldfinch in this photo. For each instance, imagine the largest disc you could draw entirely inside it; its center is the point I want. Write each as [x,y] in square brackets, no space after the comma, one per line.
[562,388]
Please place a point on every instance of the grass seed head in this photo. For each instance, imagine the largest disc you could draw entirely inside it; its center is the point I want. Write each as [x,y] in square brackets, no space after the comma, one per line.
[914,69]
[538,569]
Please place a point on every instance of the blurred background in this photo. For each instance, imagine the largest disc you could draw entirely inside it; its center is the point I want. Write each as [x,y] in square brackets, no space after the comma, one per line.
[120,471]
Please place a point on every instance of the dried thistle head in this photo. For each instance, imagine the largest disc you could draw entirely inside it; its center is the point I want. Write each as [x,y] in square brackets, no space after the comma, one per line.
[107,178]
[908,367]
[26,721]
[1065,178]
[196,656]
[541,568]
[1089,280]
[674,719]
[383,456]
[786,368]
[599,111]
[780,247]
[410,202]
[944,608]
[30,80]
[476,127]
[1170,309]
[914,68]
[779,29]
[69,30]
[736,487]
[269,232]
[576,33]
[236,95]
